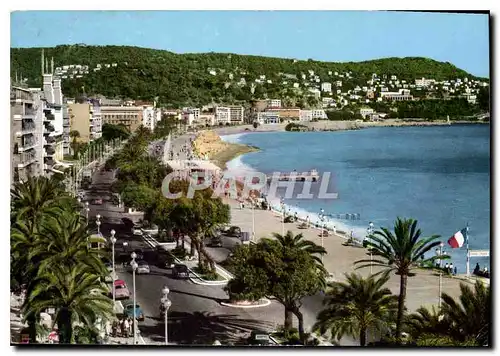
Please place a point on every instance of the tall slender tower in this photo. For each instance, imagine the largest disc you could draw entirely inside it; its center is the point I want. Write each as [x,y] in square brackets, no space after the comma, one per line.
[43,64]
[52,65]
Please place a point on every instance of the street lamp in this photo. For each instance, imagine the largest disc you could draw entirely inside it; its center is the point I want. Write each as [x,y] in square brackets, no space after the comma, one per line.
[133,264]
[113,241]
[322,239]
[440,252]
[253,219]
[370,232]
[87,209]
[166,305]
[98,223]
[283,218]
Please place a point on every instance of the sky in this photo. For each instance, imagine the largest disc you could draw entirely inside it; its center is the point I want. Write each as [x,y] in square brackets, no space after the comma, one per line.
[337,36]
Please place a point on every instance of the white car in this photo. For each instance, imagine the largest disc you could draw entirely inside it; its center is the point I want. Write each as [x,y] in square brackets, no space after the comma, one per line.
[137,231]
[142,267]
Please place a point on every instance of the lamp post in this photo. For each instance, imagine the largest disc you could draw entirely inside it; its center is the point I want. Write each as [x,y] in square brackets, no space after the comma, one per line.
[322,239]
[113,241]
[98,223]
[87,209]
[253,219]
[440,252]
[166,305]
[133,264]
[283,218]
[370,232]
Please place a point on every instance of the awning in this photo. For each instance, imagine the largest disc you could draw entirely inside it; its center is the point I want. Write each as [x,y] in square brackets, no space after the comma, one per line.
[65,165]
[97,238]
[56,171]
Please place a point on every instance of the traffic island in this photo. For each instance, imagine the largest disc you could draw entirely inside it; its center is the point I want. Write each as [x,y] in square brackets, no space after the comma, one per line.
[247,304]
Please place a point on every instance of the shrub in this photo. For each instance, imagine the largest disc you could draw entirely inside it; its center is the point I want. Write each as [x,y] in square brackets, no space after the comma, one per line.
[179,252]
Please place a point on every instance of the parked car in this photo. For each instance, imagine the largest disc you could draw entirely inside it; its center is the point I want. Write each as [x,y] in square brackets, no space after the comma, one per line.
[129,310]
[258,337]
[142,267]
[137,230]
[180,271]
[234,231]
[121,290]
[164,259]
[215,242]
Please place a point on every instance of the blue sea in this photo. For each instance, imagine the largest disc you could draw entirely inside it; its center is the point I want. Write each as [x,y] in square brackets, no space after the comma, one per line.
[439,175]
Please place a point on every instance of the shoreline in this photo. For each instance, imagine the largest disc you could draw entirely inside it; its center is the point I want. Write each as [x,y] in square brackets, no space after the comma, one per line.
[327,125]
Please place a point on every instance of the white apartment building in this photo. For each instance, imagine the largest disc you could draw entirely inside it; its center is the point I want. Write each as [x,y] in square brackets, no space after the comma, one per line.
[319,114]
[222,115]
[338,83]
[315,91]
[274,103]
[268,117]
[402,95]
[326,87]
[150,116]
[327,101]
[305,115]
[195,111]
[206,119]
[424,82]
[366,111]
[236,114]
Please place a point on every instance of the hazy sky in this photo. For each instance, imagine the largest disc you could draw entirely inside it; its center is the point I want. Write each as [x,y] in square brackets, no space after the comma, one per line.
[462,39]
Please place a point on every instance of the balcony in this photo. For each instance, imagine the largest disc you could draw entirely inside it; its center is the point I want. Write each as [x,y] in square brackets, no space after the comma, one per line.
[48,129]
[20,96]
[49,141]
[26,159]
[49,117]
[29,113]
[66,122]
[26,129]
[27,145]
[49,161]
[50,151]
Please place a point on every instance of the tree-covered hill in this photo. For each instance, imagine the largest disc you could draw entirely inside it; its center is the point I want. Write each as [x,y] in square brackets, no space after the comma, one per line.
[184,79]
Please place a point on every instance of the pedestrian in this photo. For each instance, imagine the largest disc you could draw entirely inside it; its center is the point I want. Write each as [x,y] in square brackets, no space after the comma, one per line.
[450,268]
[455,271]
[131,326]
[126,326]
[446,267]
[123,328]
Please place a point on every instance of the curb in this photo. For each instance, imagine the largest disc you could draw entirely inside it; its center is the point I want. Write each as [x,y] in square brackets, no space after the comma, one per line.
[153,243]
[267,303]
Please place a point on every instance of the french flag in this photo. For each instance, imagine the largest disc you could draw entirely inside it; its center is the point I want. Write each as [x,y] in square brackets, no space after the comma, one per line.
[457,240]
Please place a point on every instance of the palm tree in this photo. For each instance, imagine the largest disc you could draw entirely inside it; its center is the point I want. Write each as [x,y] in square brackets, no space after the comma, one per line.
[32,202]
[74,134]
[357,305]
[470,319]
[64,241]
[289,240]
[75,293]
[425,321]
[400,252]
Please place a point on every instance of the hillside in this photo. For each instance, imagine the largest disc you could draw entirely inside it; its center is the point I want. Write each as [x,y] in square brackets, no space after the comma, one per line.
[196,79]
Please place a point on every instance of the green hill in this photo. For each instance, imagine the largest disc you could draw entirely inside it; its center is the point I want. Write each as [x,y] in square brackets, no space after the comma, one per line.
[184,79]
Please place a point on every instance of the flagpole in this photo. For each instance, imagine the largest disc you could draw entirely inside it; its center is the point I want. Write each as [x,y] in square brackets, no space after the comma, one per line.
[468,254]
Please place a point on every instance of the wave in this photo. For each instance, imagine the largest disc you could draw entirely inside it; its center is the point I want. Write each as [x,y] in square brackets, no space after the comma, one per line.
[232,138]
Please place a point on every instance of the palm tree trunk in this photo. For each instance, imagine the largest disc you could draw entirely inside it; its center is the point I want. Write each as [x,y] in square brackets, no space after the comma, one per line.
[183,241]
[65,327]
[401,305]
[300,318]
[288,319]
[32,328]
[362,337]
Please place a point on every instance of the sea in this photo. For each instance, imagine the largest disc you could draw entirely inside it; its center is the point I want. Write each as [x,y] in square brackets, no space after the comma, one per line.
[438,175]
